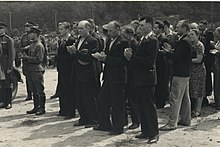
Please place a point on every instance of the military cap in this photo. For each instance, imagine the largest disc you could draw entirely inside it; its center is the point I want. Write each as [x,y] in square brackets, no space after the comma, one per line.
[2,25]
[29,24]
[35,29]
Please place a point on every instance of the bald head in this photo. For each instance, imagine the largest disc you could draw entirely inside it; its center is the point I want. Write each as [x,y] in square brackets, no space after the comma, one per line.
[83,28]
[113,28]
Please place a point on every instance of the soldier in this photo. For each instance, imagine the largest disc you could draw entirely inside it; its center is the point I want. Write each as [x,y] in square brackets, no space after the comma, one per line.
[24,44]
[35,71]
[7,56]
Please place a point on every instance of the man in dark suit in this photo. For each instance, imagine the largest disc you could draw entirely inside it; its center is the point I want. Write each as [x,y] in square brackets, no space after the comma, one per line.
[162,87]
[111,96]
[100,48]
[207,36]
[86,75]
[143,61]
[66,70]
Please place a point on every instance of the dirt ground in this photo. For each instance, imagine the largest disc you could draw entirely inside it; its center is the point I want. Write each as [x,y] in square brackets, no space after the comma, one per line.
[18,129]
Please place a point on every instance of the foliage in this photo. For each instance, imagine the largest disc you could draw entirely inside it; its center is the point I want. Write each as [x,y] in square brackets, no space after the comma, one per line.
[43,12]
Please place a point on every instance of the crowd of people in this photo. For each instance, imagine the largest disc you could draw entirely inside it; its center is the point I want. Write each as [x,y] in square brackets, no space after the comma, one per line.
[145,64]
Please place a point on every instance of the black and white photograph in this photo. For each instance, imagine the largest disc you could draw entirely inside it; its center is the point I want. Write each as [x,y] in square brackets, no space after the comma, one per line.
[109,73]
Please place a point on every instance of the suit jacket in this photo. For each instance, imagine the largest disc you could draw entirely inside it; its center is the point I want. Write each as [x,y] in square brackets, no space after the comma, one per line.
[85,64]
[143,61]
[115,64]
[161,63]
[64,59]
[182,57]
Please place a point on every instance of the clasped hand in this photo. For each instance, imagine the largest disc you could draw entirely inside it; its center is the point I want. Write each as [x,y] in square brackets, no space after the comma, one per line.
[100,56]
[71,49]
[166,48]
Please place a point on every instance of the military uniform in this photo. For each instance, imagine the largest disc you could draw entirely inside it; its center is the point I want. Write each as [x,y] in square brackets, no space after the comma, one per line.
[35,72]
[25,42]
[7,56]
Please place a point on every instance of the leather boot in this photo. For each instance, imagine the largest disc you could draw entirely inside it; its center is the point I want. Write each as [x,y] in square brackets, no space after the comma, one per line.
[36,105]
[8,98]
[41,109]
[29,96]
[3,97]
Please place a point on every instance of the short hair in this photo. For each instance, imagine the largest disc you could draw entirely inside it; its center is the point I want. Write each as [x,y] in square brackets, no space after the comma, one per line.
[136,22]
[128,29]
[185,24]
[147,19]
[166,23]
[217,30]
[86,23]
[196,31]
[116,24]
[193,25]
[92,22]
[160,24]
[65,24]
[205,22]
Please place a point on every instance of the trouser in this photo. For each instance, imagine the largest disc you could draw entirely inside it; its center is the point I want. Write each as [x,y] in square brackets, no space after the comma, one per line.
[217,82]
[36,85]
[180,101]
[147,110]
[86,104]
[162,89]
[29,93]
[132,101]
[6,90]
[58,84]
[66,91]
[209,65]
[6,95]
[111,100]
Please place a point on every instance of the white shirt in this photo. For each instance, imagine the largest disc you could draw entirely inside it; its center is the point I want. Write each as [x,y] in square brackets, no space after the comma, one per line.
[110,46]
[80,43]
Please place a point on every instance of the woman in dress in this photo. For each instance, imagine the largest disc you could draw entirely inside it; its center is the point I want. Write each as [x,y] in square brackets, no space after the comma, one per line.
[198,76]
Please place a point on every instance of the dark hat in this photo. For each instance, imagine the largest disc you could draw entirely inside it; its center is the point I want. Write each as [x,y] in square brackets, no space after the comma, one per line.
[2,25]
[29,24]
[35,29]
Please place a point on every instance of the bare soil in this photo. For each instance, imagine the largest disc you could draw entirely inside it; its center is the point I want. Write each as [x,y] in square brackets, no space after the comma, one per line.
[18,129]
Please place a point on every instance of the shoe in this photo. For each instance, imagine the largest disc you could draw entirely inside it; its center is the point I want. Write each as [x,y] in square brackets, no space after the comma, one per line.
[60,114]
[142,136]
[90,125]
[79,123]
[116,132]
[153,139]
[2,105]
[167,127]
[28,98]
[32,111]
[133,126]
[98,128]
[40,112]
[195,114]
[54,96]
[9,106]
[68,117]
[182,123]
